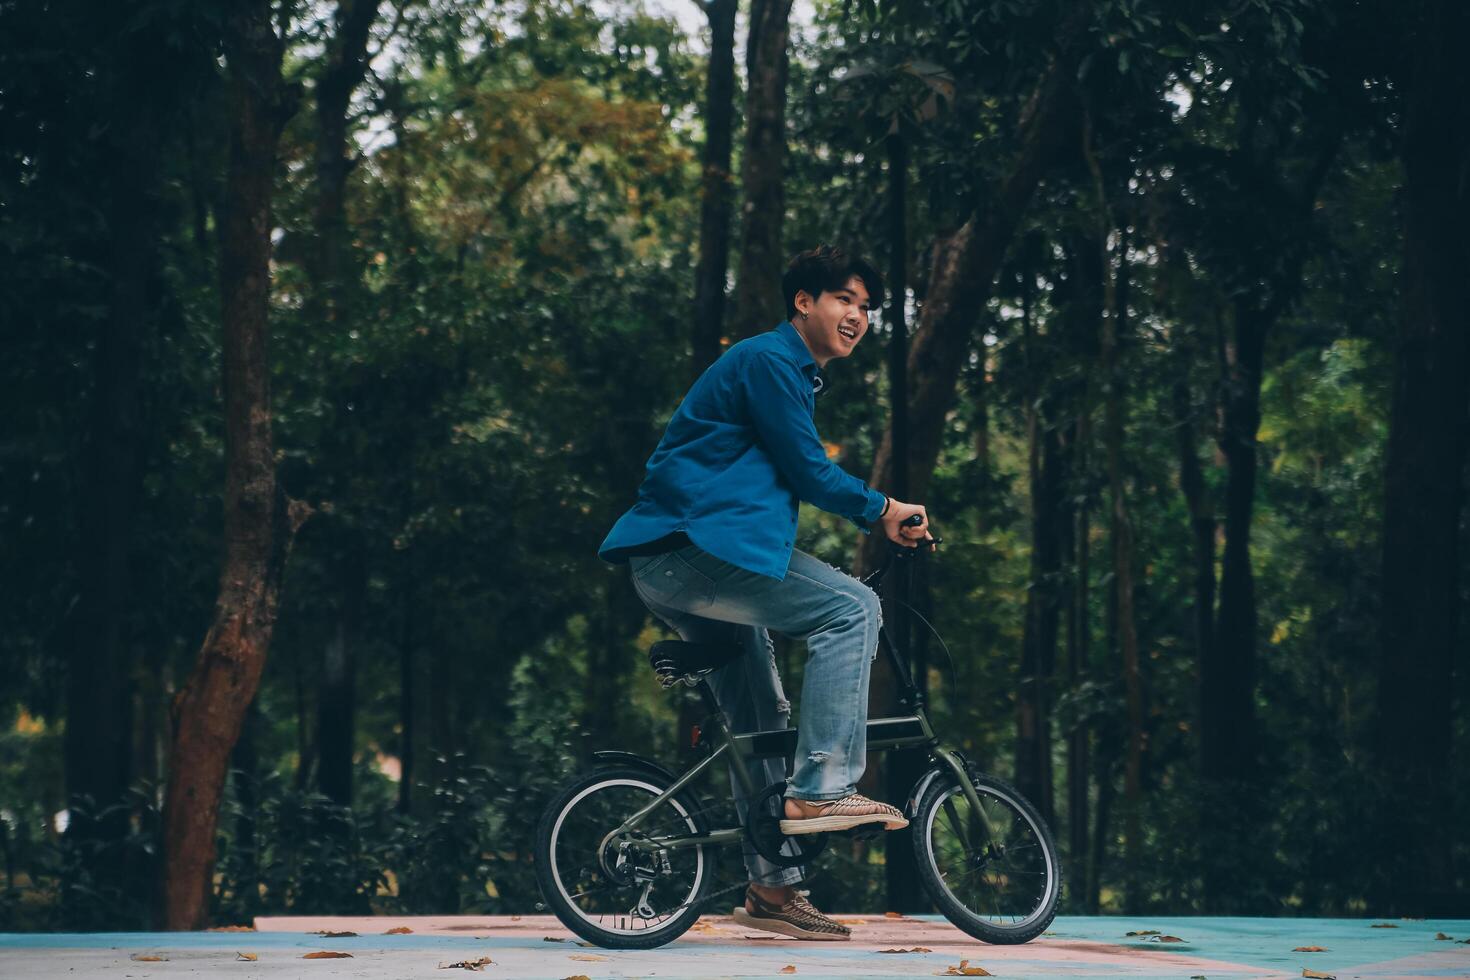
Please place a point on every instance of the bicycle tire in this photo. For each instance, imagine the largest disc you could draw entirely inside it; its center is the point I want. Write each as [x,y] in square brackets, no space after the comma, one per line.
[1000,797]
[550,875]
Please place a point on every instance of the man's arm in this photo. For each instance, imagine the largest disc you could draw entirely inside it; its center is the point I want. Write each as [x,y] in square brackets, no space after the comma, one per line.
[775,397]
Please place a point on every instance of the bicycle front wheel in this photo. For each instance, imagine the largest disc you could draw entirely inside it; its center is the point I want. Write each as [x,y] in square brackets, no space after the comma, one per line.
[609,888]
[999,886]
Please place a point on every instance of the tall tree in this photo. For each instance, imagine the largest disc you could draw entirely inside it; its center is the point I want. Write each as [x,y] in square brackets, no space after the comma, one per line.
[758,302]
[1424,469]
[1121,535]
[344,65]
[1039,637]
[965,264]
[98,759]
[716,186]
[259,522]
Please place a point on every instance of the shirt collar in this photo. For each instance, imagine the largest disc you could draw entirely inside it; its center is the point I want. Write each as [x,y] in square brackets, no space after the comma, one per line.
[803,357]
[797,346]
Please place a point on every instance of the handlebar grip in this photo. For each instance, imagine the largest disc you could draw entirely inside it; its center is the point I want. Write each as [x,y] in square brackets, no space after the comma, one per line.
[913,520]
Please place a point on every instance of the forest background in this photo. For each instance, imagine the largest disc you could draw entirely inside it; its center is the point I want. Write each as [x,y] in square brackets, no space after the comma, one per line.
[1177,359]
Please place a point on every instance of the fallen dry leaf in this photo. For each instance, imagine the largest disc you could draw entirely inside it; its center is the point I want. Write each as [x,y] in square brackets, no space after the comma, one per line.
[1440,935]
[966,970]
[893,915]
[231,929]
[1142,932]
[328,934]
[852,922]
[1309,949]
[588,957]
[580,976]
[148,958]
[327,954]
[248,957]
[1462,940]
[515,918]
[916,949]
[1164,939]
[1383,925]
[552,939]
[398,931]
[1314,975]
[475,965]
[787,969]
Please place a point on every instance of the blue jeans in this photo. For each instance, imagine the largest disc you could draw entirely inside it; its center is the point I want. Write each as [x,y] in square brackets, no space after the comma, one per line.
[707,600]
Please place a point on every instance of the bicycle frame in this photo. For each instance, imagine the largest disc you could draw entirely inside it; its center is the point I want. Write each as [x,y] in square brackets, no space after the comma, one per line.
[884,734]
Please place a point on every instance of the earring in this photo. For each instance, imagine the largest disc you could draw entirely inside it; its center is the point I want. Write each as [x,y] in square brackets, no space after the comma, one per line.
[804,314]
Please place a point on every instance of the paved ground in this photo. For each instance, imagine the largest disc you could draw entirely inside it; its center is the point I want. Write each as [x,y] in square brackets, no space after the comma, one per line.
[538,947]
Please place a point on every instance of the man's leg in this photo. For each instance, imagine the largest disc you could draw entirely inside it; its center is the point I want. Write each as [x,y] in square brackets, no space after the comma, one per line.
[840,618]
[837,615]
[749,692]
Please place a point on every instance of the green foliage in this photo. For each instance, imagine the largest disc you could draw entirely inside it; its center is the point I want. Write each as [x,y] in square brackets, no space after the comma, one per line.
[509,333]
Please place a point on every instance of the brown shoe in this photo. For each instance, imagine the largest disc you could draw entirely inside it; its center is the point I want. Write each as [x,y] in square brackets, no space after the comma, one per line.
[844,814]
[798,918]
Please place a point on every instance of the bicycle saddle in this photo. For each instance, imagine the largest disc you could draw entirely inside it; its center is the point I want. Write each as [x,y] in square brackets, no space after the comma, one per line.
[679,660]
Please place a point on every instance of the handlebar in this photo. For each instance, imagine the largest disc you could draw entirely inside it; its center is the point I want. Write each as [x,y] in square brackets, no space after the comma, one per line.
[914,520]
[900,552]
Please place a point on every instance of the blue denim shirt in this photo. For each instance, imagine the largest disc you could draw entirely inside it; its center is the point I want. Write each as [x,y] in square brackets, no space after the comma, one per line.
[739,453]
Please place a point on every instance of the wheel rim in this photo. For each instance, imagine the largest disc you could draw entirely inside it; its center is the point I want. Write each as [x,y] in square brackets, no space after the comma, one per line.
[579,836]
[1007,886]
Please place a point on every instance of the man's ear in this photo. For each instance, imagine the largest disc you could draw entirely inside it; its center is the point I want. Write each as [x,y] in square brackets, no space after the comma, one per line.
[796,300]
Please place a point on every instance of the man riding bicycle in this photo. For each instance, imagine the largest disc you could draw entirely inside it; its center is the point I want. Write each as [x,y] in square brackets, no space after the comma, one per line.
[709,544]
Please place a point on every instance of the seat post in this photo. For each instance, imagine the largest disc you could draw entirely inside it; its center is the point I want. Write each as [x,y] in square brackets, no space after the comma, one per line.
[707,695]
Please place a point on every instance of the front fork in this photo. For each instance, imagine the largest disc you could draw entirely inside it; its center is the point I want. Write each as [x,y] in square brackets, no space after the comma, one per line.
[950,762]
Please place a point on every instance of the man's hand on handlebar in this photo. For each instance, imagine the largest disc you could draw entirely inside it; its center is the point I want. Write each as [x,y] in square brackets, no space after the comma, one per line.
[906,525]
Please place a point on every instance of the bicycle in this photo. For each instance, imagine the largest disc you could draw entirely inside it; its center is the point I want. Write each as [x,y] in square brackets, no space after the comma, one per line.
[624,853]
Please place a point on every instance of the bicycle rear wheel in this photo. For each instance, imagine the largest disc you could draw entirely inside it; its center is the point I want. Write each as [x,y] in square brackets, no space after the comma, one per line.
[1001,888]
[602,889]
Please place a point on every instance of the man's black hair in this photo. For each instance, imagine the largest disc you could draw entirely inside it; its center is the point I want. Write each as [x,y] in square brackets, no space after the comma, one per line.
[827,268]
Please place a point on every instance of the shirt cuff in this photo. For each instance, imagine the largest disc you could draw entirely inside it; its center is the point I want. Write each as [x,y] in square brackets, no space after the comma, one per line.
[874,507]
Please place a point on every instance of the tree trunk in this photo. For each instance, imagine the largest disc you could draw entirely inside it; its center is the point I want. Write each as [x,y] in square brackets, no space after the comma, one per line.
[758,301]
[1202,530]
[902,769]
[1423,477]
[337,690]
[1079,740]
[717,190]
[345,62]
[1101,830]
[259,522]
[963,273]
[1228,711]
[408,717]
[245,771]
[344,65]
[1113,331]
[98,751]
[1039,636]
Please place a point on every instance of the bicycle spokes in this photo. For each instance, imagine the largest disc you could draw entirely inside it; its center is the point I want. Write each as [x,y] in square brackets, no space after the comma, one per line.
[1001,876]
[625,883]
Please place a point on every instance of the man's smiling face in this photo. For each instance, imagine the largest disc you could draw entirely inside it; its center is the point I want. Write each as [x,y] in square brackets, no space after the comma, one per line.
[836,320]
